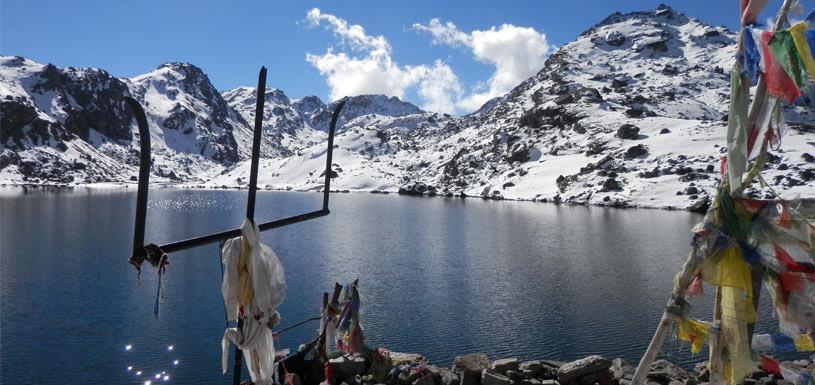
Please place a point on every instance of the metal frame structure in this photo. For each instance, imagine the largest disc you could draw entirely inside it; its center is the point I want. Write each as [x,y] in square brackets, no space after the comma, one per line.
[153,253]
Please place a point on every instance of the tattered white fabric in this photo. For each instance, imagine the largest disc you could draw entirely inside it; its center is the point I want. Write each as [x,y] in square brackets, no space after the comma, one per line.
[330,327]
[268,290]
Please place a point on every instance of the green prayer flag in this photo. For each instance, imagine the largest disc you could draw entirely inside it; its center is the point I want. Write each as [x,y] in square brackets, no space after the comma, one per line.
[737,129]
[782,47]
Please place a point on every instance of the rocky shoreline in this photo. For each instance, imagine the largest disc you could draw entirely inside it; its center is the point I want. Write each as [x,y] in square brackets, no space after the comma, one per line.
[701,208]
[477,369]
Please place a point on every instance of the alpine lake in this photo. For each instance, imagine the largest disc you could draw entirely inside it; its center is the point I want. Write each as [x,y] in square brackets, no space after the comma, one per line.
[438,276]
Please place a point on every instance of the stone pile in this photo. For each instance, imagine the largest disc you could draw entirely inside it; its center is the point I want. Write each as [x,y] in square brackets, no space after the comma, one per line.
[477,369]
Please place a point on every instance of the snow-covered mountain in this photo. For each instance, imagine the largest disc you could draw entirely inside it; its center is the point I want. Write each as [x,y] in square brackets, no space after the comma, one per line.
[69,125]
[285,130]
[632,112]
[192,115]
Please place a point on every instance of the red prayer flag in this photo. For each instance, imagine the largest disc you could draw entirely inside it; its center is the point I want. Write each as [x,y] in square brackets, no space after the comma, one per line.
[770,364]
[778,82]
[789,262]
[791,282]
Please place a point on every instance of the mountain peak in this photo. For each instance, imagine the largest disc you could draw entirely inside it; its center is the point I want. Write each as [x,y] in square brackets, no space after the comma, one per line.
[181,67]
[380,104]
[307,105]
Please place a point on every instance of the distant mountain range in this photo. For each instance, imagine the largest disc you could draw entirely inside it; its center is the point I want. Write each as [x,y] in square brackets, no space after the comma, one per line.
[630,113]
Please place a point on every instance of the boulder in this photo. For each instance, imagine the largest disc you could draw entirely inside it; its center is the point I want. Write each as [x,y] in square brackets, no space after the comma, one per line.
[664,372]
[591,95]
[669,70]
[469,379]
[611,184]
[618,83]
[515,376]
[518,153]
[807,175]
[701,206]
[595,148]
[587,379]
[636,151]
[471,363]
[416,189]
[628,131]
[647,174]
[502,365]
[489,377]
[345,367]
[531,367]
[621,369]
[614,38]
[570,372]
[448,377]
[554,364]
[634,112]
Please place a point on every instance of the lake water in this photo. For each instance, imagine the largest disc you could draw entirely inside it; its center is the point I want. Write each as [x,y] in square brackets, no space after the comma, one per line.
[438,276]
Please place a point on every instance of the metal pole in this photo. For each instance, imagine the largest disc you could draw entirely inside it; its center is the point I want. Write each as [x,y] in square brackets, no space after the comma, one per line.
[253,171]
[253,181]
[328,158]
[138,245]
[144,180]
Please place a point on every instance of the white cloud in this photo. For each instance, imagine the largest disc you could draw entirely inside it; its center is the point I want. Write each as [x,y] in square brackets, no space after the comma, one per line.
[516,53]
[439,88]
[374,71]
[354,35]
[446,33]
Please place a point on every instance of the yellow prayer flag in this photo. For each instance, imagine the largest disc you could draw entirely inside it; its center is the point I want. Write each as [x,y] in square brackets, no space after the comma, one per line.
[693,331]
[804,343]
[727,268]
[737,312]
[801,45]
[737,306]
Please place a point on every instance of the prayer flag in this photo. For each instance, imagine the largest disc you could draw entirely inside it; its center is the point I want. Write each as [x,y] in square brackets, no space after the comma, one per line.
[778,82]
[797,32]
[804,343]
[693,331]
[782,47]
[770,364]
[737,129]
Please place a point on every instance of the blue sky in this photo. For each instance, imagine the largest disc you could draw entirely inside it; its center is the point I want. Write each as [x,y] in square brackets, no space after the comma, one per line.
[230,40]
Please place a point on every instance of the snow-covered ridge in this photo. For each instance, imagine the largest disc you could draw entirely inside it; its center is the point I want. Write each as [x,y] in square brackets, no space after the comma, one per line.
[629,113]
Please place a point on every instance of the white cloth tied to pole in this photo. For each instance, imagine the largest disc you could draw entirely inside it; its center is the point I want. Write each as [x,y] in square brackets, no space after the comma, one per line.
[268,290]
